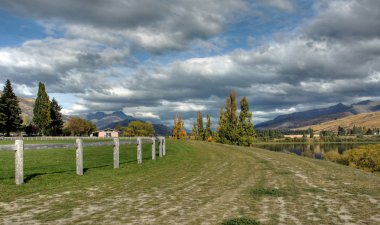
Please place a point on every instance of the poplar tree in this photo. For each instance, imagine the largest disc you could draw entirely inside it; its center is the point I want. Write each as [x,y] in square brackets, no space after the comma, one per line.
[10,120]
[208,131]
[200,128]
[222,127]
[56,124]
[41,110]
[246,131]
[232,134]
[179,128]
[194,131]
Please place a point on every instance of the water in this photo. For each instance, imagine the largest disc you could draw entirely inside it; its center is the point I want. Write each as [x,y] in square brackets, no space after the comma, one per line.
[312,150]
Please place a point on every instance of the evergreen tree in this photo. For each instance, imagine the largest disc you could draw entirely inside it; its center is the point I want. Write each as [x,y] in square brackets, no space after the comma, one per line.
[56,124]
[41,110]
[200,128]
[208,131]
[246,131]
[10,120]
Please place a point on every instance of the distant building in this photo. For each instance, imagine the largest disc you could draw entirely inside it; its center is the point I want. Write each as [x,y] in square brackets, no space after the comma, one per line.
[107,133]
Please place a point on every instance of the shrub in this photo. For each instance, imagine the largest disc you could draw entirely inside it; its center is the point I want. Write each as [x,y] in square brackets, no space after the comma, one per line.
[334,156]
[241,221]
[364,157]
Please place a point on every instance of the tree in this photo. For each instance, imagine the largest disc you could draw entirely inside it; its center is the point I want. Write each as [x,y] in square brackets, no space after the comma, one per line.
[56,124]
[77,126]
[178,131]
[41,111]
[228,121]
[245,126]
[208,131]
[194,131]
[200,128]
[10,119]
[311,132]
[341,131]
[139,129]
[222,127]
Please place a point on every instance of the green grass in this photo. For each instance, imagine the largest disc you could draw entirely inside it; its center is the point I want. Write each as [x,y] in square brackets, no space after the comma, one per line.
[241,221]
[195,183]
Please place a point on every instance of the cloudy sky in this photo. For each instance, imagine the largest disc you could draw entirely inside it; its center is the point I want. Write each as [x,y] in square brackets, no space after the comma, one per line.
[154,59]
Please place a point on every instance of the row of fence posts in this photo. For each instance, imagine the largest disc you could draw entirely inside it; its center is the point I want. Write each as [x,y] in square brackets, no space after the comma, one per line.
[19,155]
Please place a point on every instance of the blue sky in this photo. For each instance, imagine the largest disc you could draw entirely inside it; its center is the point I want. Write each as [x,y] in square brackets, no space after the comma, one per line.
[154,59]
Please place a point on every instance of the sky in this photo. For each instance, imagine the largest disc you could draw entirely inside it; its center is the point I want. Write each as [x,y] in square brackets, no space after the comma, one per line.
[155,59]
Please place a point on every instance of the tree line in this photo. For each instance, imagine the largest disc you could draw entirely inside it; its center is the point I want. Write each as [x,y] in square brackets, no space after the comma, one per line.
[232,128]
[47,116]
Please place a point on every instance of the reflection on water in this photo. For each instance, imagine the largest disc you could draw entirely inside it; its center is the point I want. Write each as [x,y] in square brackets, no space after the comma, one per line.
[312,150]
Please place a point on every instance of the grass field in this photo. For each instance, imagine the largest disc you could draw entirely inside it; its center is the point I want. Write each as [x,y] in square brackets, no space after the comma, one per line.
[196,183]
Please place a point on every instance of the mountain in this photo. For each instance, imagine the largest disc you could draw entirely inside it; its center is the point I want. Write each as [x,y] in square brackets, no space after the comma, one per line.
[102,120]
[318,116]
[369,120]
[159,129]
[118,118]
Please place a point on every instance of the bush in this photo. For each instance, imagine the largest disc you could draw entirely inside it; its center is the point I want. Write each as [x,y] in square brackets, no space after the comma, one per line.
[334,156]
[241,221]
[364,157]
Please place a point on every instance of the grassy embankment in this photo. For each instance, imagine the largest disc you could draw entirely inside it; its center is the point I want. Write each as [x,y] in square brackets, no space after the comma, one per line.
[195,183]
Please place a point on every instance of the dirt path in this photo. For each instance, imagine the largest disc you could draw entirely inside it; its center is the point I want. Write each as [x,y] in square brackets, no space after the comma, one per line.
[217,183]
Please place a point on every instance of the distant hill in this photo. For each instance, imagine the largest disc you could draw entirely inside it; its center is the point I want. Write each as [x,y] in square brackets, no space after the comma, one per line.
[26,105]
[318,116]
[115,119]
[369,120]
[103,120]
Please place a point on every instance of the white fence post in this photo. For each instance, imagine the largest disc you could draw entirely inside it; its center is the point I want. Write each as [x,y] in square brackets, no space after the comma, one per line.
[116,153]
[160,147]
[79,156]
[139,151]
[19,162]
[153,149]
[163,146]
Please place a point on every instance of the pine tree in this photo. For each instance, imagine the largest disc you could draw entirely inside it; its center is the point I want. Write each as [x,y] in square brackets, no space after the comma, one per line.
[208,131]
[246,131]
[200,128]
[56,124]
[41,110]
[10,120]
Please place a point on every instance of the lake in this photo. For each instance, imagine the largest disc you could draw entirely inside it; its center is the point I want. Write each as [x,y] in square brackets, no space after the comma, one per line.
[312,150]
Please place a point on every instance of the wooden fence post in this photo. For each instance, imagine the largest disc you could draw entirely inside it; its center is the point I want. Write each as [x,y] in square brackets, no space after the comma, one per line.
[19,162]
[116,153]
[163,146]
[139,151]
[79,156]
[153,149]
[160,147]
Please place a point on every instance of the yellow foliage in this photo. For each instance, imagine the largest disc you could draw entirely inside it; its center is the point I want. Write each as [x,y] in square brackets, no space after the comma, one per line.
[364,157]
[209,139]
